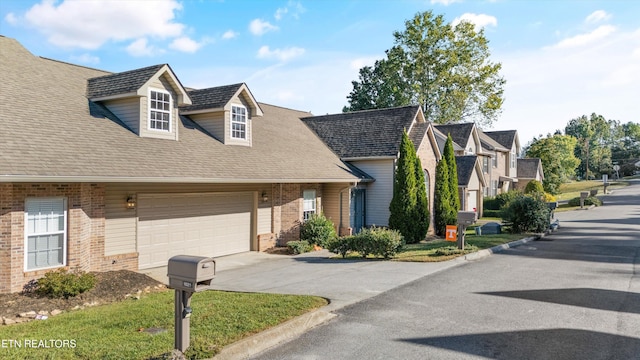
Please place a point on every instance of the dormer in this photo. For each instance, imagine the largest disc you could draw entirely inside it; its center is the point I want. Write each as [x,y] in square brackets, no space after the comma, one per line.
[226,112]
[146,99]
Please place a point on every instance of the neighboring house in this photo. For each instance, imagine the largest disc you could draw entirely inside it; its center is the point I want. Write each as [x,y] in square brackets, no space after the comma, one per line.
[529,169]
[494,165]
[507,169]
[370,141]
[102,171]
[470,156]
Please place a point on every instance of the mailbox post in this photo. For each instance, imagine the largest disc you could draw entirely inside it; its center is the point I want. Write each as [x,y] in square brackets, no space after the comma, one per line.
[583,195]
[465,218]
[187,274]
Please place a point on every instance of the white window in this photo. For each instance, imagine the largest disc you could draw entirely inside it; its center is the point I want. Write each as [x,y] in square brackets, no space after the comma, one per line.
[485,164]
[495,187]
[513,159]
[309,204]
[238,122]
[495,160]
[159,110]
[45,233]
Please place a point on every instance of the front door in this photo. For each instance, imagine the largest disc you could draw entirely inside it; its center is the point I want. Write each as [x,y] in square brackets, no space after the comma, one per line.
[357,209]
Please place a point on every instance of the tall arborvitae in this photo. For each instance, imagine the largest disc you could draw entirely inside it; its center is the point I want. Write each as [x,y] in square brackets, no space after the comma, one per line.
[403,202]
[453,177]
[442,198]
[421,213]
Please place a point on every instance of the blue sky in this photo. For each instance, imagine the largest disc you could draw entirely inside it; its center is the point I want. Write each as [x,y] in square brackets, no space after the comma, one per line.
[561,59]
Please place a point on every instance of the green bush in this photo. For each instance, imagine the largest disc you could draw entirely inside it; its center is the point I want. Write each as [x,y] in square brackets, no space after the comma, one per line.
[526,214]
[453,250]
[63,284]
[504,199]
[318,230]
[534,187]
[492,213]
[591,200]
[490,203]
[299,247]
[374,241]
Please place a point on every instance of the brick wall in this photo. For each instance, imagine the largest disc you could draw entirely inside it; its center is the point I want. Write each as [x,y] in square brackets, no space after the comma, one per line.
[288,209]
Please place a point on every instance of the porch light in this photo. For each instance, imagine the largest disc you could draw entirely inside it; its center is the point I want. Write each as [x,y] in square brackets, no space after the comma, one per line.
[131,202]
[264,196]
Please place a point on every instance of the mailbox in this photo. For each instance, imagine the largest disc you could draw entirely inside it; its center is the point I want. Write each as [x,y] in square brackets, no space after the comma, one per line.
[191,273]
[584,194]
[467,217]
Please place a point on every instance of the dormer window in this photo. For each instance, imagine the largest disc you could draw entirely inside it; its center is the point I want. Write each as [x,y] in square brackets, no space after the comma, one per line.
[238,122]
[159,110]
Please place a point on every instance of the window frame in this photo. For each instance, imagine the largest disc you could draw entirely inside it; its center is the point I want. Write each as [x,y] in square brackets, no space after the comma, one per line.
[233,122]
[151,110]
[306,213]
[512,163]
[64,232]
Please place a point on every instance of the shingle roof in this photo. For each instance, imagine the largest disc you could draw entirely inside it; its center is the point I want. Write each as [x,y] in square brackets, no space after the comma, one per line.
[528,167]
[368,133]
[460,133]
[441,139]
[50,129]
[504,138]
[490,144]
[211,98]
[465,165]
[120,83]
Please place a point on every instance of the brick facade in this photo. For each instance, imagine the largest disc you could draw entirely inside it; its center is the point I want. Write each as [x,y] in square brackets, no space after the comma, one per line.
[288,209]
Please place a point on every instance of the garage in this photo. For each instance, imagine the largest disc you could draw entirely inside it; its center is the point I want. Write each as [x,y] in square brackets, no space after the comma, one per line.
[210,224]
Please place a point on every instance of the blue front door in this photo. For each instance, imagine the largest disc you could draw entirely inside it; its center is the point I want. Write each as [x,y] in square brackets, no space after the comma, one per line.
[357,209]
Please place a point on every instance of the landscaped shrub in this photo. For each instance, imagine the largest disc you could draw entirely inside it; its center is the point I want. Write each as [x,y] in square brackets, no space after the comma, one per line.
[492,213]
[534,187]
[490,203]
[374,241]
[63,284]
[526,214]
[549,198]
[318,230]
[504,199]
[340,245]
[299,247]
[453,250]
[591,200]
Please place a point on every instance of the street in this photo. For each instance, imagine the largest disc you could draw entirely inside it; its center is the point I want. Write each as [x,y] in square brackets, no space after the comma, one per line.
[572,295]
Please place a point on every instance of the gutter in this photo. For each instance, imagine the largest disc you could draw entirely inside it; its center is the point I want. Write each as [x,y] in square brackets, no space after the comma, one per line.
[171,179]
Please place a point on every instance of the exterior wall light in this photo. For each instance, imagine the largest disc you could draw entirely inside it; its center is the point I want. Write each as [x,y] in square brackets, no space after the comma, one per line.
[131,202]
[264,196]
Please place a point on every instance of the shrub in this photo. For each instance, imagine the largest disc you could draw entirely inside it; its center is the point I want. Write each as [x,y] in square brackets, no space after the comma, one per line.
[534,187]
[492,213]
[374,241]
[591,200]
[490,203]
[549,198]
[299,247]
[340,245]
[318,230]
[504,199]
[526,214]
[63,284]
[453,250]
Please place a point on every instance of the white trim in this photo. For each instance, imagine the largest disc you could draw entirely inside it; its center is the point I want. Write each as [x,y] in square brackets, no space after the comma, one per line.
[65,233]
[175,179]
[201,111]
[313,201]
[162,91]
[115,97]
[390,157]
[245,123]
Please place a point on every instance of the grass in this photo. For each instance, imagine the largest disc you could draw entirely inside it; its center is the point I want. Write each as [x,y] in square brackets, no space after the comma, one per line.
[115,331]
[571,190]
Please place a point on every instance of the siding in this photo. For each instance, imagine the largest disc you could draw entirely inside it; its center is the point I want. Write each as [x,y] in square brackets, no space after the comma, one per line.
[227,114]
[331,204]
[127,110]
[379,192]
[212,122]
[159,84]
[121,223]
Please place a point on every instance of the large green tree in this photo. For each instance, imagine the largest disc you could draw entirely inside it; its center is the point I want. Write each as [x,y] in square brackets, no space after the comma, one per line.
[558,160]
[594,144]
[408,213]
[444,212]
[442,67]
[450,156]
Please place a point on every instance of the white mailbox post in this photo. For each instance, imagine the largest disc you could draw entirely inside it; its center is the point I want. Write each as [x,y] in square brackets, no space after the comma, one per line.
[187,274]
[465,218]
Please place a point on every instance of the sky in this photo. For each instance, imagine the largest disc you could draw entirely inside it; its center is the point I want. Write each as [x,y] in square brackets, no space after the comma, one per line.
[561,59]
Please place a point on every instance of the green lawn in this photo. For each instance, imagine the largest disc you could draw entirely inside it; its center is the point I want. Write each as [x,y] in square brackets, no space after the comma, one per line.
[115,331]
[571,190]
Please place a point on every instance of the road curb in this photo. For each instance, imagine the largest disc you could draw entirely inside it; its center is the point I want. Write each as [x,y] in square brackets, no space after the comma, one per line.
[488,252]
[266,339]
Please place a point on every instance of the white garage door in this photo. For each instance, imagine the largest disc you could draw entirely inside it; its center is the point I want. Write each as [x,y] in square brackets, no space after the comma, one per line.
[472,200]
[192,224]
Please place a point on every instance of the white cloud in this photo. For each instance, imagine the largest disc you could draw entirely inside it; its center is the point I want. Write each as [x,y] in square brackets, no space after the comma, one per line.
[229,34]
[479,20]
[186,44]
[280,54]
[11,19]
[280,12]
[583,39]
[444,2]
[259,27]
[361,62]
[89,24]
[140,47]
[85,59]
[294,8]
[597,16]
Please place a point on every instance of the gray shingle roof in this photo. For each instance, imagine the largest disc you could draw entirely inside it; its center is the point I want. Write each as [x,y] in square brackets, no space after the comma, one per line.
[504,138]
[211,98]
[50,129]
[120,83]
[460,133]
[490,144]
[465,165]
[528,167]
[368,133]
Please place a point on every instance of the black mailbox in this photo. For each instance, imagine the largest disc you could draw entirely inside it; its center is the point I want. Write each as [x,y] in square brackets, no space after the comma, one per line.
[191,273]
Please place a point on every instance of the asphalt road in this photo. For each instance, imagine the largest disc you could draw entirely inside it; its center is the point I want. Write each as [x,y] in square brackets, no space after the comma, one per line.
[572,295]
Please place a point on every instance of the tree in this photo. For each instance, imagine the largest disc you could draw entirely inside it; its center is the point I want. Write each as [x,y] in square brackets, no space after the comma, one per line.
[453,175]
[594,143]
[443,68]
[534,187]
[558,160]
[444,212]
[408,212]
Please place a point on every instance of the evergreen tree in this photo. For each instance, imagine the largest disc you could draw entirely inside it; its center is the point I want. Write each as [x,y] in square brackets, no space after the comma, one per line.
[421,213]
[403,203]
[453,178]
[442,199]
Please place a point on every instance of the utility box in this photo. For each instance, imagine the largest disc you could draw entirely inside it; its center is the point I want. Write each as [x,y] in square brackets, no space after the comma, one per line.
[467,217]
[191,273]
[491,228]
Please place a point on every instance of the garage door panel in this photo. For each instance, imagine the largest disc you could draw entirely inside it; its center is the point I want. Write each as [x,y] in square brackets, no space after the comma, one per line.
[194,224]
